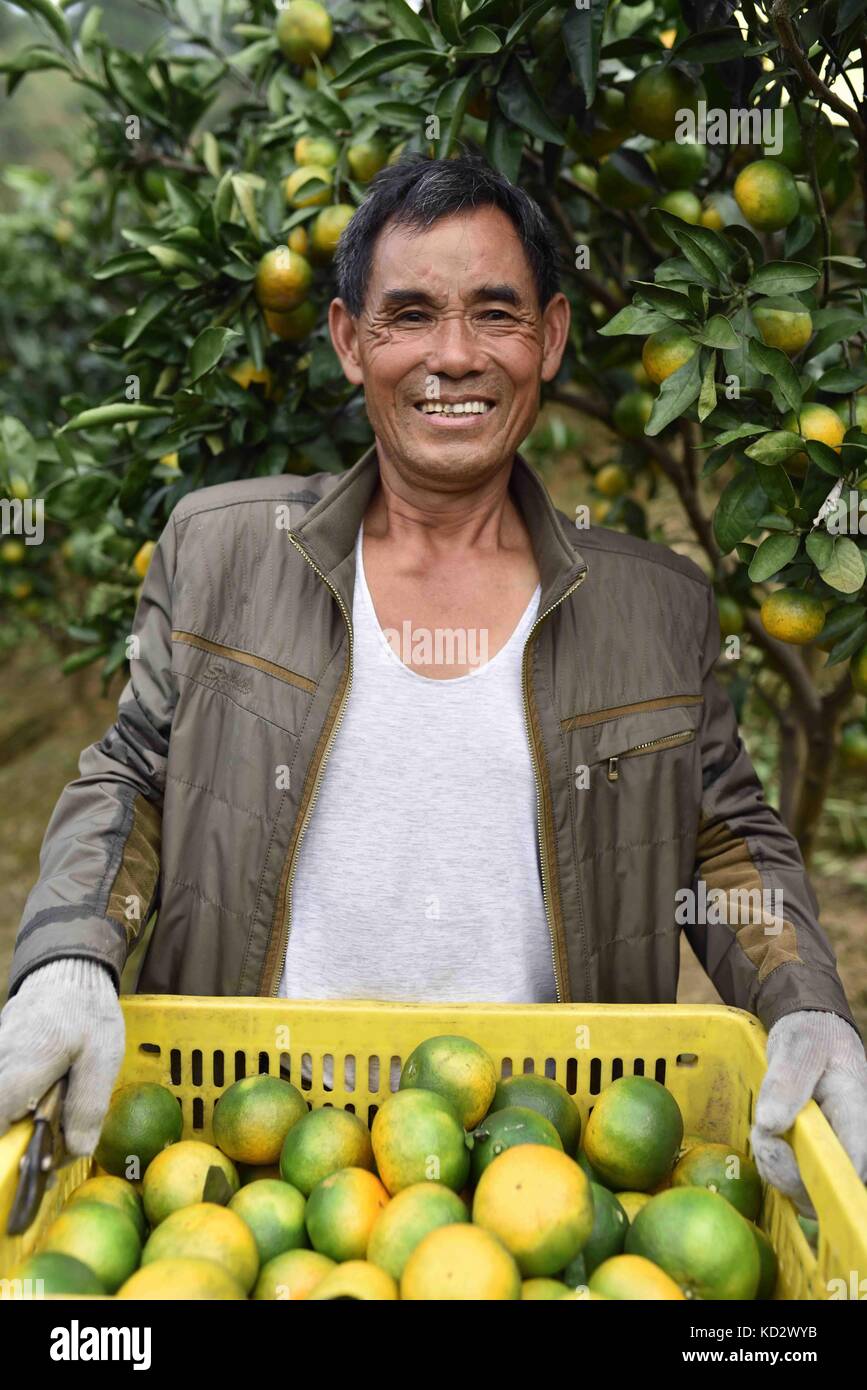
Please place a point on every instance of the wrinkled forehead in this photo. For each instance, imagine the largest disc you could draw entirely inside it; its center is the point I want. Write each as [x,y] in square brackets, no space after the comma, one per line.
[451,260]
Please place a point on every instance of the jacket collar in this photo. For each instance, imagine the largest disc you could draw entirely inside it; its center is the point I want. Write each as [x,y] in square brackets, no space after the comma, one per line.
[328,532]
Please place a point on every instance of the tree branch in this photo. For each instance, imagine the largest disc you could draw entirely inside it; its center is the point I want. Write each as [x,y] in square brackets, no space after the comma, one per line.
[779,14]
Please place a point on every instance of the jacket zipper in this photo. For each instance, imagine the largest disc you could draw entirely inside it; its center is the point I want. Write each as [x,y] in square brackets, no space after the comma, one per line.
[278,975]
[546,896]
[666,741]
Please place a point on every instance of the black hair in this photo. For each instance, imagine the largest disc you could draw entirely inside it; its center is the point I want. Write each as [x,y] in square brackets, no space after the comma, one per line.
[417,191]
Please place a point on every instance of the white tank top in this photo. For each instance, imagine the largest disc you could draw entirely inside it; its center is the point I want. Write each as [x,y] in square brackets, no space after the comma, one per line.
[417,877]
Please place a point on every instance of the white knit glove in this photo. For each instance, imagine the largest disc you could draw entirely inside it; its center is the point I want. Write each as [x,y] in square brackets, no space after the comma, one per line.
[64,1017]
[811,1054]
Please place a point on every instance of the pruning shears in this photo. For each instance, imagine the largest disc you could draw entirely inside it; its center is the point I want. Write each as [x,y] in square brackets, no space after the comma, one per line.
[45,1153]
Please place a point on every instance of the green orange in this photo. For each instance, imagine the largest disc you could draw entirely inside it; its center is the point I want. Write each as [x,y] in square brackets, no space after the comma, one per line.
[537,1290]
[460,1263]
[454,1067]
[322,1142]
[547,1097]
[785,323]
[304,29]
[617,189]
[283,279]
[666,351]
[793,616]
[293,326]
[631,413]
[633,1277]
[102,1237]
[141,1120]
[253,1117]
[342,1211]
[679,164]
[767,1264]
[633,1133]
[58,1273]
[275,1213]
[417,1136]
[328,228]
[657,98]
[113,1192]
[291,1276]
[504,1129]
[408,1218]
[720,1168]
[766,193]
[538,1202]
[358,1280]
[610,1224]
[701,1241]
[301,187]
[177,1176]
[207,1231]
[182,1279]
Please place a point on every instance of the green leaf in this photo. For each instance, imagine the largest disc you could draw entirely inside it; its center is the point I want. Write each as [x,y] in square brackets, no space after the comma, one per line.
[407,22]
[844,326]
[634,319]
[775,446]
[824,457]
[676,393]
[848,645]
[777,365]
[582,35]
[841,380]
[208,349]
[820,548]
[504,145]
[679,232]
[457,92]
[126,263]
[526,22]
[772,555]
[480,42]
[772,521]
[742,503]
[78,660]
[520,104]
[151,307]
[245,194]
[448,17]
[120,413]
[717,333]
[17,451]
[385,57]
[730,436]
[783,277]
[675,304]
[217,1188]
[845,571]
[51,14]
[717,45]
[778,485]
[707,397]
[842,620]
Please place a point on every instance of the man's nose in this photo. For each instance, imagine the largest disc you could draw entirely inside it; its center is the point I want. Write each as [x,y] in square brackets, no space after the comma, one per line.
[454,348]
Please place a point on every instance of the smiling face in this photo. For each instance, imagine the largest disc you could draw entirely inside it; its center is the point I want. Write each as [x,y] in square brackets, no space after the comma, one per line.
[451,348]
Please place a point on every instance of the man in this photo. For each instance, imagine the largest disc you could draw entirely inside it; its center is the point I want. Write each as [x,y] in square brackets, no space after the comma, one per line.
[503,799]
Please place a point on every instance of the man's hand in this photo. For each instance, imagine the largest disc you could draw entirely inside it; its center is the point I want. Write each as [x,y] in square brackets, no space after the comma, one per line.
[65,1017]
[818,1055]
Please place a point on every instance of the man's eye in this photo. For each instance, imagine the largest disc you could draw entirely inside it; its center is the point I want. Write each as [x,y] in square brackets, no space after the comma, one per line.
[496,314]
[411,316]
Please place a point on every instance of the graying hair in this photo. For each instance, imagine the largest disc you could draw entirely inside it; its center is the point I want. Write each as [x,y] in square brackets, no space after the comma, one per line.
[418,191]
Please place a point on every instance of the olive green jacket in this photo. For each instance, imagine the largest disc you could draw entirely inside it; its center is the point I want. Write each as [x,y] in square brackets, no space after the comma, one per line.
[195,802]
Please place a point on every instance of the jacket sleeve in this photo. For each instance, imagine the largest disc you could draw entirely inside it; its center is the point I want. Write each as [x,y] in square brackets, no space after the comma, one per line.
[100,858]
[758,935]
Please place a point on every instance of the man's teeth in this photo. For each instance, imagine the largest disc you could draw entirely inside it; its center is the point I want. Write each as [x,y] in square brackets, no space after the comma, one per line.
[458,408]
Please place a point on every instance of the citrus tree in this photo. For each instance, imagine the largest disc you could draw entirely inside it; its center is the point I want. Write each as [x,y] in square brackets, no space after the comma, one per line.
[701,165]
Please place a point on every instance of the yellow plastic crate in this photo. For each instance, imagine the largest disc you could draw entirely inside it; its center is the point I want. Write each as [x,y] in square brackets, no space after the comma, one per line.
[710,1057]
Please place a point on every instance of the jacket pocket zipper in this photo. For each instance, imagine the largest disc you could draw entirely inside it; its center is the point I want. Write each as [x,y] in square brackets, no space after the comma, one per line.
[666,741]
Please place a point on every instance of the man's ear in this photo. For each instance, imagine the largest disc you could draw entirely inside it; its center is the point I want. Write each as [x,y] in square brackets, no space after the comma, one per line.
[555,328]
[344,336]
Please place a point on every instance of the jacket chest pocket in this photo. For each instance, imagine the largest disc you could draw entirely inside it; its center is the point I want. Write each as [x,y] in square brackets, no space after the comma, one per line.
[637,777]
